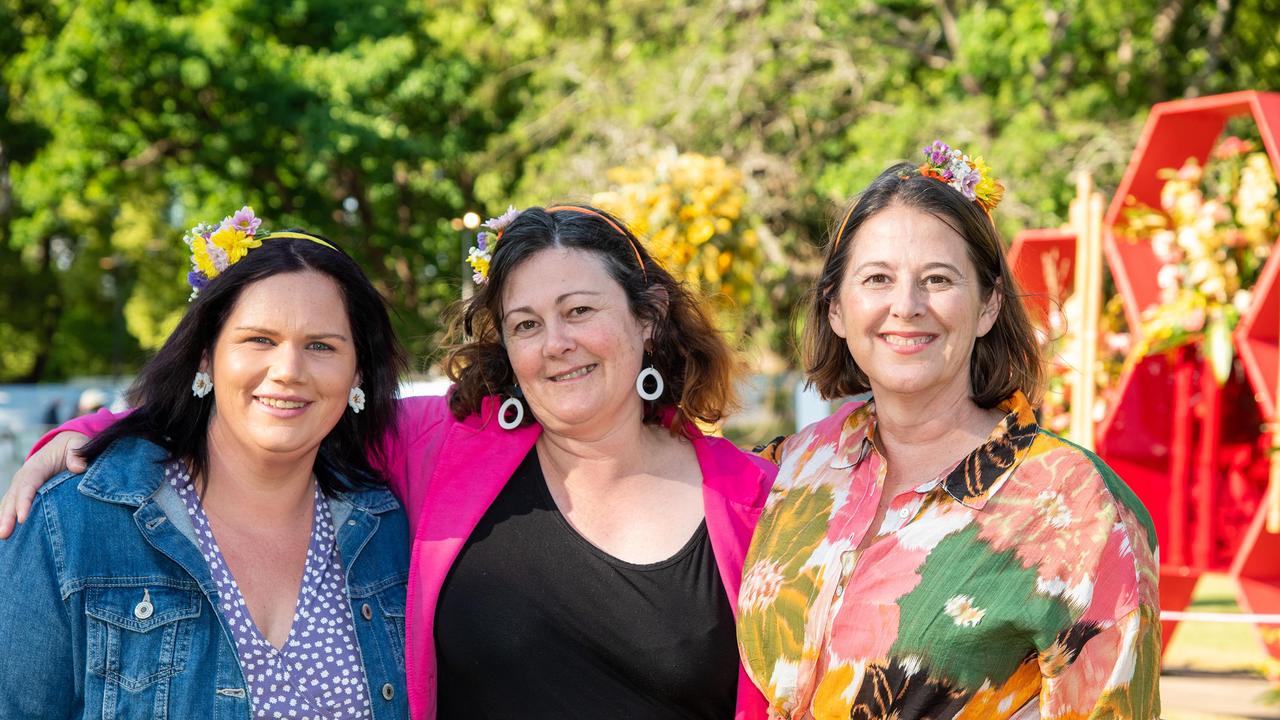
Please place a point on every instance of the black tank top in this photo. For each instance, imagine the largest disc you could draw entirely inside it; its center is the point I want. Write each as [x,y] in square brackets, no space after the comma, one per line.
[533,621]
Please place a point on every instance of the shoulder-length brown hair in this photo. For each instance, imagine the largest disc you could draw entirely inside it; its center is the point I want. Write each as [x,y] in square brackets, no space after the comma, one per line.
[1006,359]
[697,364]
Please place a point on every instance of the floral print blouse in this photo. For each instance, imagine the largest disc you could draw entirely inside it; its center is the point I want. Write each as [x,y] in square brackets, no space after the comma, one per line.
[1021,583]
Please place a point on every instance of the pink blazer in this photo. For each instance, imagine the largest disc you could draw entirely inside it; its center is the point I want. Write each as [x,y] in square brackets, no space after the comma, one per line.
[447,472]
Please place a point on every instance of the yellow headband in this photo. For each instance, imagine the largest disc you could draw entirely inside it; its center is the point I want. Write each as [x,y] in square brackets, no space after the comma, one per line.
[297,236]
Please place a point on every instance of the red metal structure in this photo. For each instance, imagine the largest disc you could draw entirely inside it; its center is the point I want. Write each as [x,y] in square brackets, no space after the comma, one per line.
[1039,259]
[1193,451]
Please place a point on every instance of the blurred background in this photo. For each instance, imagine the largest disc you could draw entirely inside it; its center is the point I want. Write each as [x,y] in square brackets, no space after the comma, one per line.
[728,134]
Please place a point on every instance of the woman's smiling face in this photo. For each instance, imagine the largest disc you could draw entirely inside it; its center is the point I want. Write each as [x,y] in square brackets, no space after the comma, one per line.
[283,365]
[573,342]
[910,306]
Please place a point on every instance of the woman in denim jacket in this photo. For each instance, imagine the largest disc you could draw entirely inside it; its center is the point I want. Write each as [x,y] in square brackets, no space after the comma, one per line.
[230,551]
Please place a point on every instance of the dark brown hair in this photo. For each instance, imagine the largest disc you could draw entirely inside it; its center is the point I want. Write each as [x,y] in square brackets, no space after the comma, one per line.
[1006,359]
[697,364]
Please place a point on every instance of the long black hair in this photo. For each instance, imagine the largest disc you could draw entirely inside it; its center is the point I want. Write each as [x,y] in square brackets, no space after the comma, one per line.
[169,415]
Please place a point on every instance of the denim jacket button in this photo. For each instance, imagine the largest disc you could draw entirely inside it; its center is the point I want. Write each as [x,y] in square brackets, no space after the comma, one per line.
[388,692]
[366,612]
[144,609]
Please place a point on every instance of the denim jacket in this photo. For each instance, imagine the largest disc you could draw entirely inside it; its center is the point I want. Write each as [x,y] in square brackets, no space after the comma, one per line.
[76,640]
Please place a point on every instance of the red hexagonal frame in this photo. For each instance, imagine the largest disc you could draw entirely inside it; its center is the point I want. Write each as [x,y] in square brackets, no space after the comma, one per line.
[1257,337]
[1027,256]
[1194,452]
[1174,131]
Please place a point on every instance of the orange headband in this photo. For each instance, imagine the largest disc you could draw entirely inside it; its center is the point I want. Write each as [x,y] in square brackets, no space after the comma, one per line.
[612,224]
[835,242]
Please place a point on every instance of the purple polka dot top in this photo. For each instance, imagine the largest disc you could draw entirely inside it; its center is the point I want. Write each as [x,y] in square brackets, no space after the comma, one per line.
[317,673]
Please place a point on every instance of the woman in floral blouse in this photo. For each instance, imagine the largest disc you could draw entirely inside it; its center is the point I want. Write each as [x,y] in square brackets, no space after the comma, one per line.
[928,551]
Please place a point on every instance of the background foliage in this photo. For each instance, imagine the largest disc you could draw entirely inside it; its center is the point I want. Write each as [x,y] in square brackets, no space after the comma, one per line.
[378,123]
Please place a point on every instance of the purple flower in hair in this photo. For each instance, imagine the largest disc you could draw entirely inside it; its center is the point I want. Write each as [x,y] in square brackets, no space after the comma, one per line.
[197,280]
[502,221]
[939,153]
[482,241]
[968,183]
[218,256]
[244,220]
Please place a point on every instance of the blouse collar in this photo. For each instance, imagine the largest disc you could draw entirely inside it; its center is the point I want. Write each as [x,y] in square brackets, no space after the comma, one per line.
[976,478]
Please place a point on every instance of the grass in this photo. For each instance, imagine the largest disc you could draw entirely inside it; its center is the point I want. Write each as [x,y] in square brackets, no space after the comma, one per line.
[1215,647]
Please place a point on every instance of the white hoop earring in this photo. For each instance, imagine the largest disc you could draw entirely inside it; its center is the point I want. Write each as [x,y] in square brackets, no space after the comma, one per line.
[202,385]
[355,400]
[508,404]
[644,375]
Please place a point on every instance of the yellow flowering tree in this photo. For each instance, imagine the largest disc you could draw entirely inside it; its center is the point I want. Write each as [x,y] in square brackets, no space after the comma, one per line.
[689,211]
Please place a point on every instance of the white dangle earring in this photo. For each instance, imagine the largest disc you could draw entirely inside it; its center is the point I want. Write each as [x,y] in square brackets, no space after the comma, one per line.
[649,373]
[511,404]
[202,385]
[355,400]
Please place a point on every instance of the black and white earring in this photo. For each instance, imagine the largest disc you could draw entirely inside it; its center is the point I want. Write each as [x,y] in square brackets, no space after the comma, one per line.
[513,404]
[649,375]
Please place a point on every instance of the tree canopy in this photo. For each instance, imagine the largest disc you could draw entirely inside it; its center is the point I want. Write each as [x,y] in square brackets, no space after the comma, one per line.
[378,123]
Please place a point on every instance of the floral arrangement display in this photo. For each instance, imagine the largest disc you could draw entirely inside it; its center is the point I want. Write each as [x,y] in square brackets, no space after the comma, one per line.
[1212,234]
[1114,342]
[688,211]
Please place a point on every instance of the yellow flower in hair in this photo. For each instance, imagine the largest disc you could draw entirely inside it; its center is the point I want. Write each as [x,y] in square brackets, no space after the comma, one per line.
[206,256]
[233,242]
[988,192]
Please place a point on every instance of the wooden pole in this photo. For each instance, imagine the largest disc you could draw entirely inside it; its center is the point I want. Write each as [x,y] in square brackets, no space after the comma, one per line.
[1086,217]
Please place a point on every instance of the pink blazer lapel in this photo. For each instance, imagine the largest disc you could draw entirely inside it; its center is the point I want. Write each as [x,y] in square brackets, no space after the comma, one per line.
[734,489]
[473,465]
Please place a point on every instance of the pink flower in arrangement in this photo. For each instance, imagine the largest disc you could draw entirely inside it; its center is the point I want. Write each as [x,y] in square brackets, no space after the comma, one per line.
[244,220]
[1231,147]
[502,221]
[1194,320]
[1117,342]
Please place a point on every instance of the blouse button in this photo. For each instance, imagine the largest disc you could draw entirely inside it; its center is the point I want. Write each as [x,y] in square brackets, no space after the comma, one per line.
[904,513]
[388,692]
[366,612]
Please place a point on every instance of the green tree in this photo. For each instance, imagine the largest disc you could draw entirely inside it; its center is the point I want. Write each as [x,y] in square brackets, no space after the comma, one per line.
[347,119]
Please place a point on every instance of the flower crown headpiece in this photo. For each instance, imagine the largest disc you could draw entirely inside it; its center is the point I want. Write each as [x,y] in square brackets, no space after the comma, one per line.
[214,248]
[479,256]
[971,178]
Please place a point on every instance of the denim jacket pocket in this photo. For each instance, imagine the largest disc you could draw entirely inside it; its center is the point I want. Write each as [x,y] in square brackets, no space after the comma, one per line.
[384,600]
[140,634]
[392,601]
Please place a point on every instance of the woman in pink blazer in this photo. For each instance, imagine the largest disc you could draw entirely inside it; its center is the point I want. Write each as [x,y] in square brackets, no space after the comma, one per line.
[577,541]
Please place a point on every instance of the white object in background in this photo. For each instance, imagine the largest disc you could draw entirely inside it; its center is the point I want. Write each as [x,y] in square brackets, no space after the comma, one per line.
[809,405]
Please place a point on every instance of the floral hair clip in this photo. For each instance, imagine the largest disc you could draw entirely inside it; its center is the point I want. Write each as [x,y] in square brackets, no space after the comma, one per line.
[214,248]
[971,177]
[487,239]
